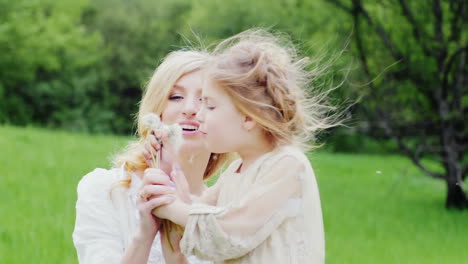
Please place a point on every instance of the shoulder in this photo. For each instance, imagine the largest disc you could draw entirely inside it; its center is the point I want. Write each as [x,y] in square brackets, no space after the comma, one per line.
[286,162]
[233,166]
[98,183]
[287,156]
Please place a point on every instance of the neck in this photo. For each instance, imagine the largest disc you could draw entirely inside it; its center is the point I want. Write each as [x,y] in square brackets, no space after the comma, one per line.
[249,154]
[194,165]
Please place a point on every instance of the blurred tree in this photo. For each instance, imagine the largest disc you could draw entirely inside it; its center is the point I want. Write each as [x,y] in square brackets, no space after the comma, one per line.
[421,100]
[136,35]
[44,55]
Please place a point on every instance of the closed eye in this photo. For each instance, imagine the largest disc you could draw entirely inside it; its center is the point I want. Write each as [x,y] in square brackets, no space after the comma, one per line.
[175,97]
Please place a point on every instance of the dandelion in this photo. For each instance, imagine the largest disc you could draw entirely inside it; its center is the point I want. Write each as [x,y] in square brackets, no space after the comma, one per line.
[152,123]
[174,135]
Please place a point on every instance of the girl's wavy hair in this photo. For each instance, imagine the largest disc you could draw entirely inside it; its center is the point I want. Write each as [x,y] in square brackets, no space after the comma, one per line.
[269,82]
[175,65]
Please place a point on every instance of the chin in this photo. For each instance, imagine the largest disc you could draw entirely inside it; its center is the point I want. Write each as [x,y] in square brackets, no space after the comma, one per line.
[216,148]
[193,146]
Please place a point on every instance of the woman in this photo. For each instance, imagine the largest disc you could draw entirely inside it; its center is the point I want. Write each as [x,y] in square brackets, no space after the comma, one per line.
[114,223]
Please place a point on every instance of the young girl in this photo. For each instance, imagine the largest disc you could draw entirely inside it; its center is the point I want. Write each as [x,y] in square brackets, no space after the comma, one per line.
[265,207]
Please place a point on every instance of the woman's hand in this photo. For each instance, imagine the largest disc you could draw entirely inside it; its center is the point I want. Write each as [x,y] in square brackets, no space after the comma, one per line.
[156,187]
[152,146]
[177,210]
[157,190]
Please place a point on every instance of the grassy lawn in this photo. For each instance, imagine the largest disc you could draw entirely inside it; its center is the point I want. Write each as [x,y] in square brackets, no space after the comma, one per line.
[377,209]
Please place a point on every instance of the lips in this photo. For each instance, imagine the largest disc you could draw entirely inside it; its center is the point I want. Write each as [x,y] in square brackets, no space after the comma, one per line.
[189,127]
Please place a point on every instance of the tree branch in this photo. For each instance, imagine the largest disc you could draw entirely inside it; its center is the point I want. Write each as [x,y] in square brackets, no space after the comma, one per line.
[360,47]
[458,79]
[417,31]
[421,84]
[414,156]
[341,6]
[457,8]
[438,33]
[357,5]
[465,172]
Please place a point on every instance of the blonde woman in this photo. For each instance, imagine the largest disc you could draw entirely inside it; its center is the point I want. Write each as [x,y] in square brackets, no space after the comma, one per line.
[114,223]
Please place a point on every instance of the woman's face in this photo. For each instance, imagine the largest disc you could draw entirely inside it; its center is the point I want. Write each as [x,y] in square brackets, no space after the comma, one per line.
[183,103]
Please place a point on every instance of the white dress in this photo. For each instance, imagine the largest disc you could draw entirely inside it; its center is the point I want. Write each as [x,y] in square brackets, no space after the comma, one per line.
[269,213]
[104,227]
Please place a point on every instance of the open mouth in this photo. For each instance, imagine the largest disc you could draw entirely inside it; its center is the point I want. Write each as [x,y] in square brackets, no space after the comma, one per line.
[189,128]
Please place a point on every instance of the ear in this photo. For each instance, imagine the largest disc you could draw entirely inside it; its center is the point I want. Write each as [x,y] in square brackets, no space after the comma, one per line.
[249,123]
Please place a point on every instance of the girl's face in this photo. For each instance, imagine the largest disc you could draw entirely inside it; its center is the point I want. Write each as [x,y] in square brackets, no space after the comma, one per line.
[222,125]
[183,103]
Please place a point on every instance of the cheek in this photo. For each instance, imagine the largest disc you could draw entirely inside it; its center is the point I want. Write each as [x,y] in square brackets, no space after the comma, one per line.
[222,125]
[212,124]
[170,113]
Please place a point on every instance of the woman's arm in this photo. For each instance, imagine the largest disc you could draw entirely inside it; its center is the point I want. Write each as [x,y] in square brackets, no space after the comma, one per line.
[153,193]
[97,236]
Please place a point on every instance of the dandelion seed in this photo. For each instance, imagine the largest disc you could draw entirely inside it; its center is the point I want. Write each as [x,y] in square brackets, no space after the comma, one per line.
[151,122]
[174,135]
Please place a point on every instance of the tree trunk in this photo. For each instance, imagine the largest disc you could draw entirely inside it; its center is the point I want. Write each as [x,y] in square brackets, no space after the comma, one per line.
[456,198]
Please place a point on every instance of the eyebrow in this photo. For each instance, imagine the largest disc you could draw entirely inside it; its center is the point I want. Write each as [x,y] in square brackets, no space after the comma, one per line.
[176,86]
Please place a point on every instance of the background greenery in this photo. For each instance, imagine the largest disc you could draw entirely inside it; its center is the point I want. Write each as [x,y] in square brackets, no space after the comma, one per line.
[377,208]
[81,65]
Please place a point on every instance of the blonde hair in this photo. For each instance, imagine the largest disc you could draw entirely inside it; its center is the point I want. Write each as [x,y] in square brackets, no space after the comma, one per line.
[175,65]
[267,81]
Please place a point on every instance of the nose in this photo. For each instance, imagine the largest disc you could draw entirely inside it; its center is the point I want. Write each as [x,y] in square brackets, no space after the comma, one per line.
[200,115]
[191,107]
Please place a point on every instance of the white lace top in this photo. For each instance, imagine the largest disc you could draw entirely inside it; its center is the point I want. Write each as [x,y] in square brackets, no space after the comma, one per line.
[104,227]
[269,213]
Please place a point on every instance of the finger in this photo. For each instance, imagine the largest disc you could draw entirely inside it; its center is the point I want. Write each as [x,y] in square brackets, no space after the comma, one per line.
[163,139]
[157,202]
[156,190]
[156,176]
[154,143]
[151,153]
[147,157]
[158,135]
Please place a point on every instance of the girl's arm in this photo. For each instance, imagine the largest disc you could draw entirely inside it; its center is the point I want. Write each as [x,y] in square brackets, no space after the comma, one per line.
[218,233]
[209,196]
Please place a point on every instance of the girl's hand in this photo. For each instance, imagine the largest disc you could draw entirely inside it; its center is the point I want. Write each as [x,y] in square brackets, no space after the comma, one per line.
[157,190]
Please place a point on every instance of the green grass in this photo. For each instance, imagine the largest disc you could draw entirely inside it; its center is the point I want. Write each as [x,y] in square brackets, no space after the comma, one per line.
[396,216]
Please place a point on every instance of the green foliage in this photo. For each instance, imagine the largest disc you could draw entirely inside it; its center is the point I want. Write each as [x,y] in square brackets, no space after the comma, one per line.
[81,65]
[377,209]
[46,53]
[136,36]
